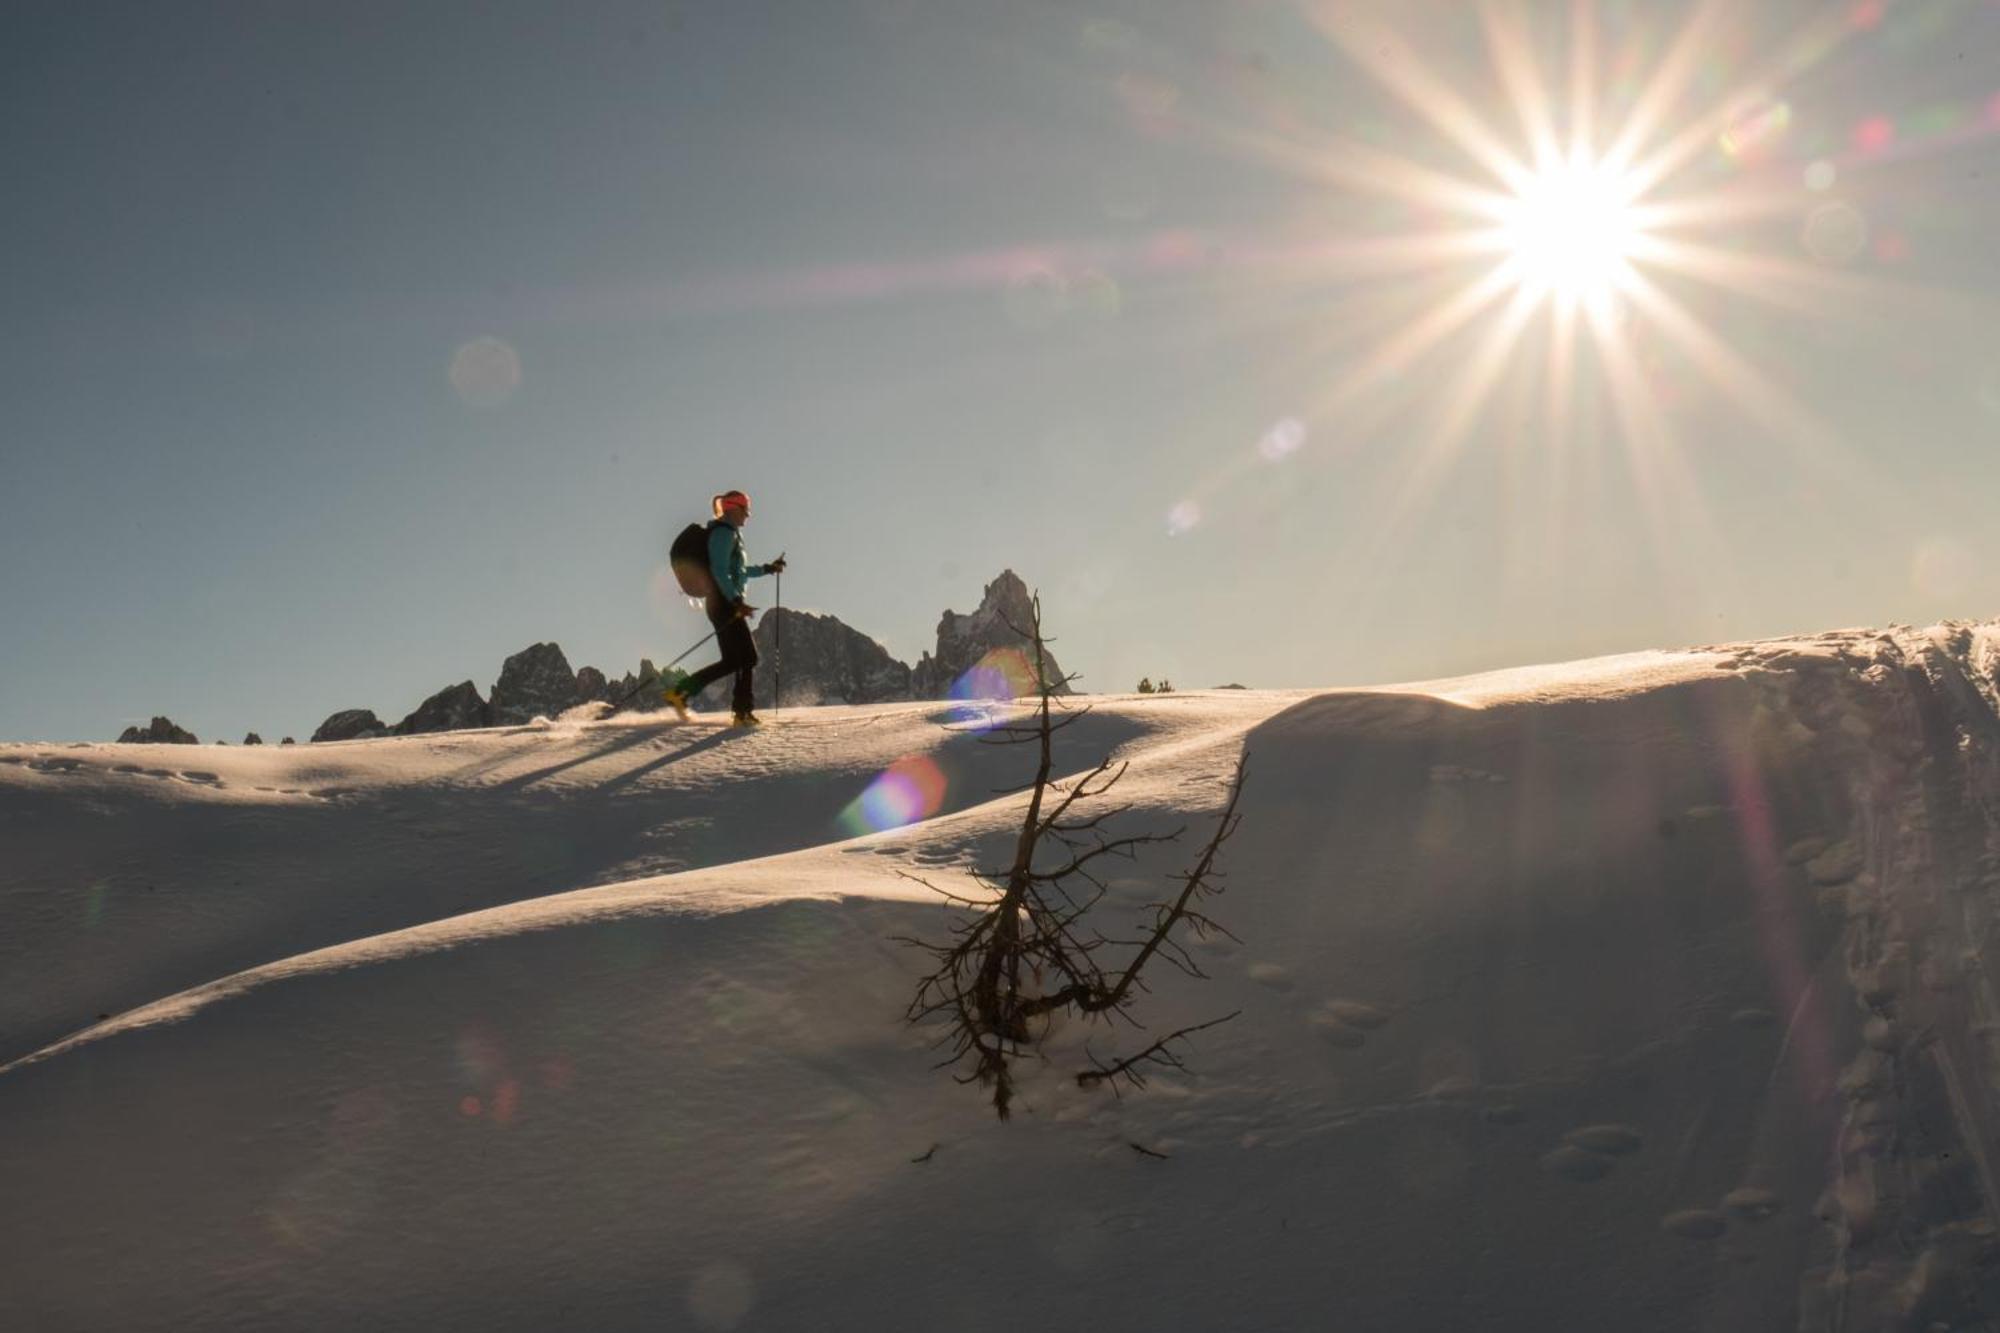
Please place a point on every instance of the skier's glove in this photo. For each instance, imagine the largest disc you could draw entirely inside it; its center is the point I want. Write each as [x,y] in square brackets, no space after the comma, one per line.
[744,610]
[776,566]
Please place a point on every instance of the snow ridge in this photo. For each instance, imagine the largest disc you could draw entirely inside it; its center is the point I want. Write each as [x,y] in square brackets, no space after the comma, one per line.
[1667,974]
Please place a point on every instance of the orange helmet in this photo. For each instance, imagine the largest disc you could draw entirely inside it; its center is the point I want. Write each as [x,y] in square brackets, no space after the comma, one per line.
[731,500]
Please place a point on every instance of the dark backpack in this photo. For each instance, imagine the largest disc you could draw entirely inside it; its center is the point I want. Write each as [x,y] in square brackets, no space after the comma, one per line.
[689,557]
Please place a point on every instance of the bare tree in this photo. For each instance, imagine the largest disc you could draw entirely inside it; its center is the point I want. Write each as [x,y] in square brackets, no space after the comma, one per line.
[1030,951]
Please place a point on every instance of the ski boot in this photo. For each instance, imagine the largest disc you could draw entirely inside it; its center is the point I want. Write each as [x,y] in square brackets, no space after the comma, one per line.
[746,720]
[675,691]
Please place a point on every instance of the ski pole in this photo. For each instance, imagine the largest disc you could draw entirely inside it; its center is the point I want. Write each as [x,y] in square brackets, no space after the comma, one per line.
[633,693]
[683,657]
[778,645]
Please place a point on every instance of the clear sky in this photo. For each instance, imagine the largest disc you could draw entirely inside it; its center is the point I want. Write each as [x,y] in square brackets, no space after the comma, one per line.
[347,348]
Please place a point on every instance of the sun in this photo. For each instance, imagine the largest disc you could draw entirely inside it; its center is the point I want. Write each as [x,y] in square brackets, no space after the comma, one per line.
[1570,231]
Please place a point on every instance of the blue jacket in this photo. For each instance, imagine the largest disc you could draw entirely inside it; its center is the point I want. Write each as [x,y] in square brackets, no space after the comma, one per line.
[727,563]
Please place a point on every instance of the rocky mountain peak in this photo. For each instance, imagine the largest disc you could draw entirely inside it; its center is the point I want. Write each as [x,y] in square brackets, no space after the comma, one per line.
[454,708]
[161,731]
[992,639]
[824,661]
[350,724]
[535,682]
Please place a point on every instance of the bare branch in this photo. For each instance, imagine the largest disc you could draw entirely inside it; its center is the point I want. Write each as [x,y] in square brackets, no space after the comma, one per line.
[1128,1069]
[1025,950]
[1195,879]
[1121,847]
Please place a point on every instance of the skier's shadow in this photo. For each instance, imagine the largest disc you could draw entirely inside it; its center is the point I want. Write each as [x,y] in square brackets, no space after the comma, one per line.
[708,742]
[636,736]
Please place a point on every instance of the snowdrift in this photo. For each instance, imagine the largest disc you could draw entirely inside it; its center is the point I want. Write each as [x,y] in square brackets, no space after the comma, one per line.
[1646,993]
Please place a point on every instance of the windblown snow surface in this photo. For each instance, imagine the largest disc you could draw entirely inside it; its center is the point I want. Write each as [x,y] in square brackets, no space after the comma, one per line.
[1644,993]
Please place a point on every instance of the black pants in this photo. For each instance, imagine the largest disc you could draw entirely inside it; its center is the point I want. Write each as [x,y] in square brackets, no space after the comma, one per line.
[739,655]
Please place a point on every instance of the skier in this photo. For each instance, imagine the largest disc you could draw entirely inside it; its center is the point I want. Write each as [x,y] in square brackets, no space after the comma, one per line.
[727,611]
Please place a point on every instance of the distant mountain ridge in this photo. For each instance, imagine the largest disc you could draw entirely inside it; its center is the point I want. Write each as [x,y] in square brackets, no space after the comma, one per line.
[980,655]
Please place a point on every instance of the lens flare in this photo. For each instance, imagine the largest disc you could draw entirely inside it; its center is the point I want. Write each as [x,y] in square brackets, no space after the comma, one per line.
[485,372]
[912,788]
[1757,131]
[506,1099]
[1891,247]
[1282,440]
[477,1056]
[1874,135]
[1183,518]
[1003,673]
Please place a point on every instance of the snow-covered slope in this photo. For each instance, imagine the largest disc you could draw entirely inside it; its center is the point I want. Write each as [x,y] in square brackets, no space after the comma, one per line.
[1643,993]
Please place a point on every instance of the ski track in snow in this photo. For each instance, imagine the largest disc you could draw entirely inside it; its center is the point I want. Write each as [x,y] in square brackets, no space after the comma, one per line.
[1644,992]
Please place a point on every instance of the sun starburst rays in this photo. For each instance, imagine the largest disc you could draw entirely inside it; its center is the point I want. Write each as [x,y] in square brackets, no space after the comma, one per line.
[1514,64]
[1564,272]
[1668,84]
[1570,213]
[1384,53]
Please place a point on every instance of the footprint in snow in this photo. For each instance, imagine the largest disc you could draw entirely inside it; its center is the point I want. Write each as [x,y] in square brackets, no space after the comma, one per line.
[205,778]
[1608,1140]
[1572,1163]
[1272,975]
[1836,865]
[1356,1014]
[1751,1203]
[1132,890]
[1346,1023]
[1805,849]
[1454,1087]
[1694,1224]
[1589,1152]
